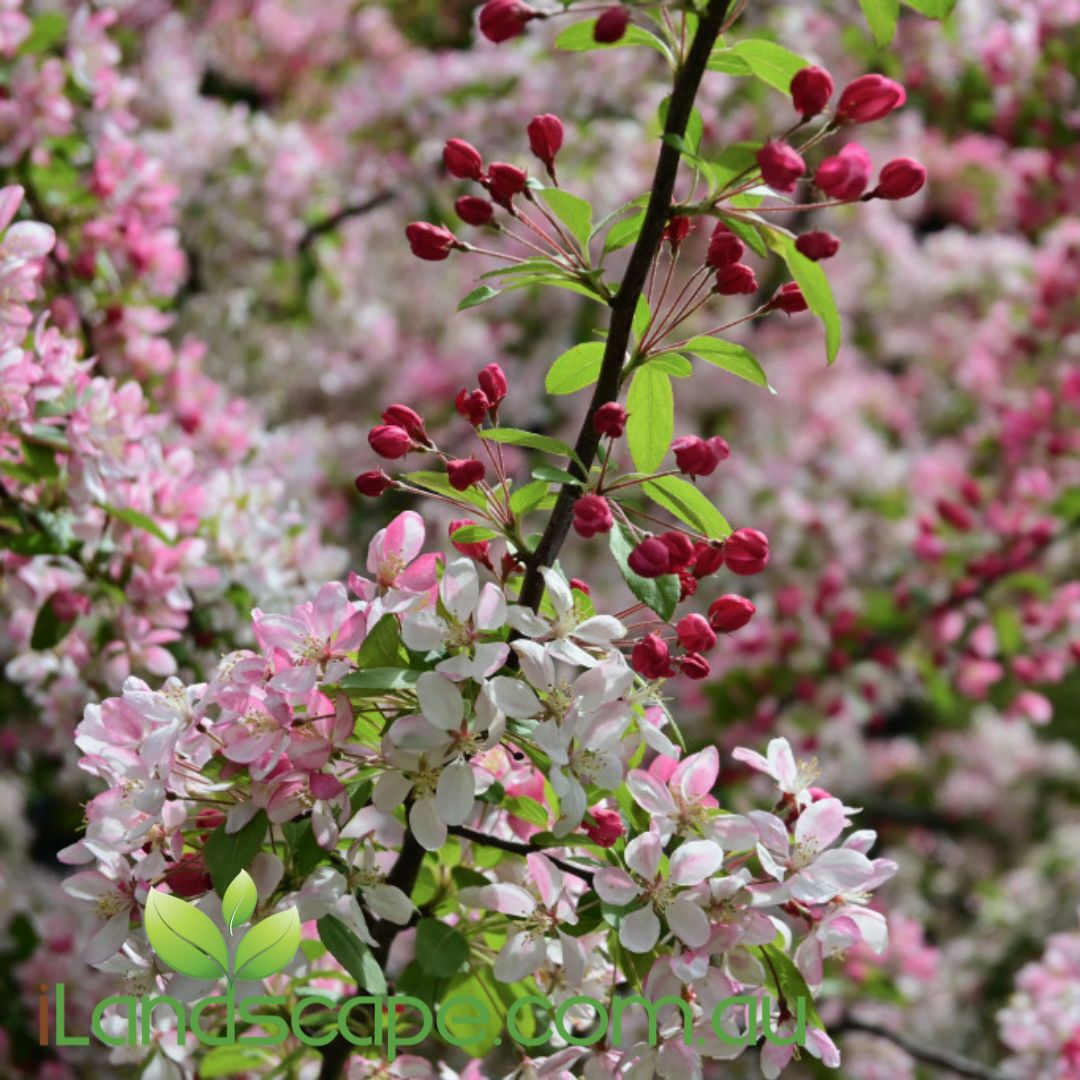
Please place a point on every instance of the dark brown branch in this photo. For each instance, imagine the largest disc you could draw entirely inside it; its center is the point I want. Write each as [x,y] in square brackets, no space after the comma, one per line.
[624,302]
[329,224]
[520,849]
[931,1055]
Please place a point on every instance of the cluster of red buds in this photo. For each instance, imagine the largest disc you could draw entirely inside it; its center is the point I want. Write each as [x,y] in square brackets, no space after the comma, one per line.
[501,20]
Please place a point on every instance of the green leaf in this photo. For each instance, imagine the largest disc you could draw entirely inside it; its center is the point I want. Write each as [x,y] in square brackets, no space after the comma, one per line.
[678,367]
[239,900]
[881,16]
[471,534]
[231,1060]
[749,233]
[932,9]
[642,317]
[440,949]
[138,521]
[789,979]
[651,422]
[661,594]
[382,646]
[731,357]
[226,854]
[184,937]
[268,946]
[528,497]
[49,628]
[815,286]
[579,38]
[477,297]
[575,369]
[47,31]
[624,232]
[688,504]
[517,437]
[553,475]
[771,63]
[440,484]
[381,679]
[1010,633]
[573,211]
[521,806]
[353,955]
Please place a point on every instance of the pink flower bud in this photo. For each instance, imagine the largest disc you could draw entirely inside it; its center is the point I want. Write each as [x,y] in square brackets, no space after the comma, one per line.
[737,280]
[719,447]
[592,515]
[694,666]
[473,406]
[846,175]
[677,230]
[546,139]
[409,419]
[730,613]
[464,473]
[694,456]
[725,248]
[746,551]
[610,419]
[789,298]
[390,441]
[900,179]
[695,634]
[650,559]
[607,827]
[501,20]
[430,242]
[869,98]
[611,25]
[781,166]
[581,586]
[505,181]
[480,550]
[463,160]
[373,483]
[959,517]
[651,659]
[68,605]
[680,549]
[493,382]
[817,245]
[474,211]
[811,89]
[708,558]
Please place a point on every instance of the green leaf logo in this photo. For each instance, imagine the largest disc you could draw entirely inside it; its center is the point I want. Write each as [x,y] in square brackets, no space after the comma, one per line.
[268,946]
[239,901]
[184,937]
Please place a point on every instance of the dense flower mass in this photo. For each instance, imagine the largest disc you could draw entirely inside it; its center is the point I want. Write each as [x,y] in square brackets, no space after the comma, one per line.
[599,639]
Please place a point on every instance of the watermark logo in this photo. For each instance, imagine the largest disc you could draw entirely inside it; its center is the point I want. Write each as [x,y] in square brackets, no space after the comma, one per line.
[188,941]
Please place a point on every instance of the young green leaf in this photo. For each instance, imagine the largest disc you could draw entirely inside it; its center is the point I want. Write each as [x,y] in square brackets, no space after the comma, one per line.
[624,232]
[688,504]
[379,679]
[268,946]
[678,367]
[440,949]
[528,497]
[518,437]
[642,317]
[574,212]
[478,296]
[138,521]
[226,853]
[471,534]
[440,484]
[651,422]
[881,16]
[932,9]
[49,628]
[771,63]
[382,647]
[184,937]
[661,594]
[575,369]
[238,903]
[815,286]
[579,38]
[731,357]
[353,955]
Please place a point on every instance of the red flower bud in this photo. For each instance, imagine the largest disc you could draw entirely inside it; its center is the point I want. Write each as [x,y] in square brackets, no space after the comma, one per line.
[725,248]
[611,25]
[505,181]
[694,666]
[546,139]
[695,633]
[480,550]
[817,245]
[719,447]
[677,230]
[737,280]
[607,829]
[730,613]
[473,406]
[847,175]
[581,586]
[959,517]
[592,515]
[688,585]
[373,483]
[189,877]
[463,160]
[390,441]
[708,558]
[501,20]
[474,211]
[789,298]
[650,559]
[493,382]
[610,419]
[869,98]
[781,166]
[694,456]
[465,472]
[900,179]
[680,549]
[430,242]
[409,419]
[811,89]
[651,659]
[68,605]
[746,551]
